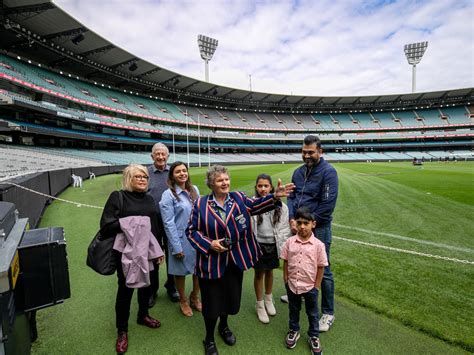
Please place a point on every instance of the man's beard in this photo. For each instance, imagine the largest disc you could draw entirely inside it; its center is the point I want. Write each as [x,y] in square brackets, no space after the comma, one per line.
[310,162]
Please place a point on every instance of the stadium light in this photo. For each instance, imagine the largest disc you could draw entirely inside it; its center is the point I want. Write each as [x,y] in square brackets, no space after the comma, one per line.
[414,52]
[207,47]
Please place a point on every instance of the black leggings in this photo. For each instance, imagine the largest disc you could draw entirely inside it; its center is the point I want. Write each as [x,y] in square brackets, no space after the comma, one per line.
[124,299]
[211,326]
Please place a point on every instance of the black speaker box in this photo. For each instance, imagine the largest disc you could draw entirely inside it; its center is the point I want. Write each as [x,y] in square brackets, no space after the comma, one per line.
[44,273]
[7,218]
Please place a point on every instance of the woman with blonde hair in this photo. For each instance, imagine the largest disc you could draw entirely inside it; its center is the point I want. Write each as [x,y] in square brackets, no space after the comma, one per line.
[130,217]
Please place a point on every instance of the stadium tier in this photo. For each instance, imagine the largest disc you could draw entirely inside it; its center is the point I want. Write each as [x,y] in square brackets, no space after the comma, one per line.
[42,103]
[17,160]
[148,111]
[20,160]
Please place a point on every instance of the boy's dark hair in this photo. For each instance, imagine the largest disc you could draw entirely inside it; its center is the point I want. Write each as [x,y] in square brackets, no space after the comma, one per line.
[304,213]
[310,139]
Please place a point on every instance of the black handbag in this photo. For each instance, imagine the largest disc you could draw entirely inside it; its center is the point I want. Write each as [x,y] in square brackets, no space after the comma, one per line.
[100,254]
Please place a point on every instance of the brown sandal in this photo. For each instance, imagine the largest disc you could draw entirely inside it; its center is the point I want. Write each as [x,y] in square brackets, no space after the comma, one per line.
[185,309]
[195,302]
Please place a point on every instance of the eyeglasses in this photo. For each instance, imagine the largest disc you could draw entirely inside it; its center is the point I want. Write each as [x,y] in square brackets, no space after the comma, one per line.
[140,177]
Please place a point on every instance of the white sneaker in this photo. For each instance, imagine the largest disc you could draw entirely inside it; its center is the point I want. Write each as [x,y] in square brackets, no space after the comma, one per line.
[261,312]
[269,306]
[326,322]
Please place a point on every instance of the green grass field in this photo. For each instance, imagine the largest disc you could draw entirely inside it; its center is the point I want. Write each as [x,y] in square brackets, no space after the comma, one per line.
[387,301]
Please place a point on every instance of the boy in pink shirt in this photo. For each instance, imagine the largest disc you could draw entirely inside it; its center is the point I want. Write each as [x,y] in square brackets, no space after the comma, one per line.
[304,261]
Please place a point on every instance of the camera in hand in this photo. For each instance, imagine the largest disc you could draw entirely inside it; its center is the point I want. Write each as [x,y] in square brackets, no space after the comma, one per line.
[226,242]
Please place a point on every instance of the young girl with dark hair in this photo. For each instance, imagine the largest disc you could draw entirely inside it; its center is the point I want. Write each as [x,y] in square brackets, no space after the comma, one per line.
[272,230]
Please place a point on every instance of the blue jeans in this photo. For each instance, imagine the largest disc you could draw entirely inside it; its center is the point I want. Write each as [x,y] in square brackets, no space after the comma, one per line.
[324,234]
[311,304]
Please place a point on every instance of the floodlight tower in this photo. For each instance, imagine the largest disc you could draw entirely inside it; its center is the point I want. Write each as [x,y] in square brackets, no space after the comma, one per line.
[414,52]
[207,47]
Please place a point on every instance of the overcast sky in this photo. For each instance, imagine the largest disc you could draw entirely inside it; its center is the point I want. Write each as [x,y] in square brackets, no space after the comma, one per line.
[317,48]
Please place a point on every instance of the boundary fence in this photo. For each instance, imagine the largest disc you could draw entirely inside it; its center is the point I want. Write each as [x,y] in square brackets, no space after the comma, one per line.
[48,183]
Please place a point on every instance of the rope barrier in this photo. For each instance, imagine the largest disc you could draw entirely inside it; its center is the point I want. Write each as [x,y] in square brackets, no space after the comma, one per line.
[78,204]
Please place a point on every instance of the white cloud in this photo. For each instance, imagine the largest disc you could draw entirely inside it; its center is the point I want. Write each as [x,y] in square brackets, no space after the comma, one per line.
[320,48]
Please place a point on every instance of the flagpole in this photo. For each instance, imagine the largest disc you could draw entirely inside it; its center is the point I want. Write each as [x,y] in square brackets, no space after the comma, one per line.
[174,150]
[187,136]
[199,141]
[209,149]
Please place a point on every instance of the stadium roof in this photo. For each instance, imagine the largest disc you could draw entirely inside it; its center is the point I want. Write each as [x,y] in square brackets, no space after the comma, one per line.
[43,33]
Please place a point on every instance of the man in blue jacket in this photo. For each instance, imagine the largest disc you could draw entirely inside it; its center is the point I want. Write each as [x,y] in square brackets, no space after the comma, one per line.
[316,188]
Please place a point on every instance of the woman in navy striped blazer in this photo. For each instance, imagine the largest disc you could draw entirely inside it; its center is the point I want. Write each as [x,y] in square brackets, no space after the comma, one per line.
[220,230]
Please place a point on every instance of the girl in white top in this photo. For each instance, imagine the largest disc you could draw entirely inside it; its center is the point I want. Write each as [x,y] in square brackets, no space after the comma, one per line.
[272,230]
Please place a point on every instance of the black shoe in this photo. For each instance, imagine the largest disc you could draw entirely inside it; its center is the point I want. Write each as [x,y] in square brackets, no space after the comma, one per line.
[173,295]
[152,300]
[210,348]
[227,336]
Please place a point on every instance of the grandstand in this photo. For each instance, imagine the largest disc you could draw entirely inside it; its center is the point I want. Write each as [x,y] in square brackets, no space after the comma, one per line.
[81,101]
[122,121]
[25,160]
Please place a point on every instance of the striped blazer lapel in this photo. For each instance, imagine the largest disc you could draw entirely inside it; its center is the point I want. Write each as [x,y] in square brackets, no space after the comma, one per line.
[216,216]
[230,214]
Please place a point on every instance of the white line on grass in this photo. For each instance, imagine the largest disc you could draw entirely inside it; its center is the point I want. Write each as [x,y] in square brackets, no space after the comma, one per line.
[405,251]
[401,237]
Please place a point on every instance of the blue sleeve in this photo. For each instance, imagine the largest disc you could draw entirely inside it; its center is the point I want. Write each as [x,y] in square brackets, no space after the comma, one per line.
[291,198]
[323,212]
[168,217]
